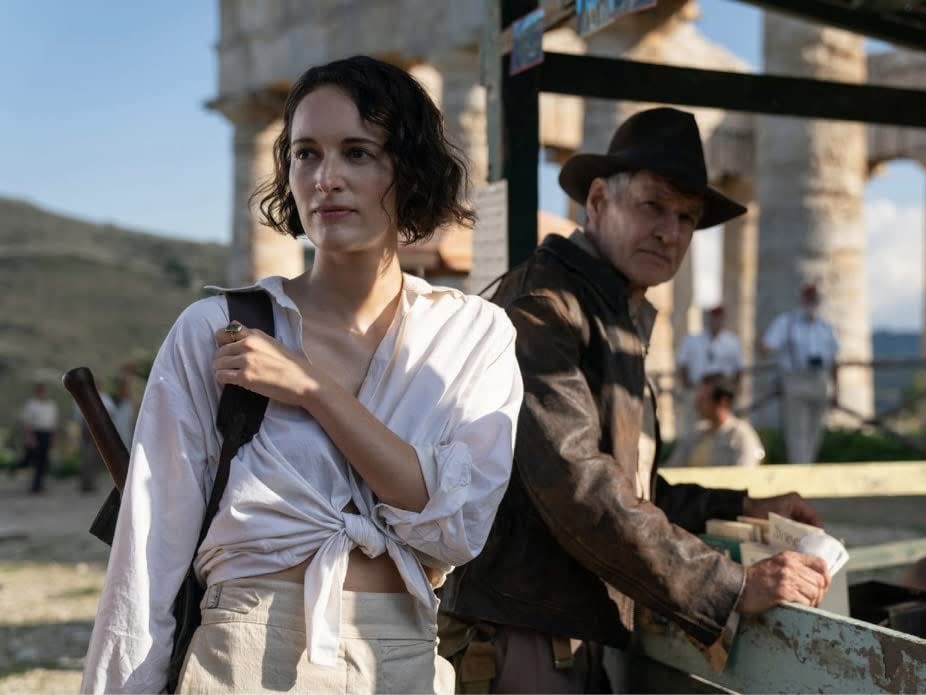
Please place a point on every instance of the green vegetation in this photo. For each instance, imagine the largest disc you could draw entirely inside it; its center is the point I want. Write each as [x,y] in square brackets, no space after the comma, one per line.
[839,446]
[844,446]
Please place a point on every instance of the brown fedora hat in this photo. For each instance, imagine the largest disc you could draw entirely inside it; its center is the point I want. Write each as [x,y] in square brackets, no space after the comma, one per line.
[665,141]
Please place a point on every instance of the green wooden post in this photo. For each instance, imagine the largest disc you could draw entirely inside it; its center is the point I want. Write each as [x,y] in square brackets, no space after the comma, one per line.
[521,145]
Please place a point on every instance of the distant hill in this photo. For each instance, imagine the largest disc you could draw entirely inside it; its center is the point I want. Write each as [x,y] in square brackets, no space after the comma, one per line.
[76,293]
[888,344]
[892,384]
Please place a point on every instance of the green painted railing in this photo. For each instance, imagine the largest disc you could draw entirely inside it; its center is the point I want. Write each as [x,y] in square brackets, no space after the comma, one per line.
[793,649]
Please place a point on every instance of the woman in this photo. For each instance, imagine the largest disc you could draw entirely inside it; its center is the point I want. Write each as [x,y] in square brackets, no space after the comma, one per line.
[384,452]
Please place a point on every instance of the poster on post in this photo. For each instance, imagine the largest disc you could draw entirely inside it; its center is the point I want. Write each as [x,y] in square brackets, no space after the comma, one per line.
[592,15]
[527,37]
[490,235]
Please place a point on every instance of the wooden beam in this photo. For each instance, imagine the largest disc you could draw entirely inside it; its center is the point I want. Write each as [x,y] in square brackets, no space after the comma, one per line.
[815,480]
[877,25]
[872,24]
[792,649]
[619,79]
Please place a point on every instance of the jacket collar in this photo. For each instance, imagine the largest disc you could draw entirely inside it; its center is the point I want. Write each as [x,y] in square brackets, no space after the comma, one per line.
[578,254]
[609,282]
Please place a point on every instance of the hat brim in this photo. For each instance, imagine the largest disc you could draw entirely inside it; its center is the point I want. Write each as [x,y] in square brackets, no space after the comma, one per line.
[579,171]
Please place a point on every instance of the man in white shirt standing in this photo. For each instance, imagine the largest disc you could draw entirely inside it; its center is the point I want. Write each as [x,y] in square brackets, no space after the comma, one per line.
[715,350]
[40,421]
[806,348]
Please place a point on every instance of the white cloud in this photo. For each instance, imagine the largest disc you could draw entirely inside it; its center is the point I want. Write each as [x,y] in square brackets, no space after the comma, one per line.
[895,264]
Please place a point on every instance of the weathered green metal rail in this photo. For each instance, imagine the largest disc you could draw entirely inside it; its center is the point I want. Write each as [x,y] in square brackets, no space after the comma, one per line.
[793,649]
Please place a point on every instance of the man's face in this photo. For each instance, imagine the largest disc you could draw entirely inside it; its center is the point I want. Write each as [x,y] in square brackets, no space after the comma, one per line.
[810,300]
[644,231]
[716,322]
[703,403]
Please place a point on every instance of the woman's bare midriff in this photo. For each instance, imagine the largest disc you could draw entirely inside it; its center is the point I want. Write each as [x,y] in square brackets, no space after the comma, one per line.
[377,575]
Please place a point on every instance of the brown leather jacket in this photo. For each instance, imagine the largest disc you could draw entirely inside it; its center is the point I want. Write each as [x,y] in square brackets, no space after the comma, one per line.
[573,546]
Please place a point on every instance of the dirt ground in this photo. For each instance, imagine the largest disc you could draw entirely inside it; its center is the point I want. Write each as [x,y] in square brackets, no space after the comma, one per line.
[51,572]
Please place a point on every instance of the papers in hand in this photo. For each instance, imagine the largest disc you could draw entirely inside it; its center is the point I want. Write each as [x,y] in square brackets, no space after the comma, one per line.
[771,536]
[792,535]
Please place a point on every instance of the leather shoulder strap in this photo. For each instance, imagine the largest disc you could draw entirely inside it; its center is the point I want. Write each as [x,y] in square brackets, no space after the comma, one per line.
[252,309]
[240,411]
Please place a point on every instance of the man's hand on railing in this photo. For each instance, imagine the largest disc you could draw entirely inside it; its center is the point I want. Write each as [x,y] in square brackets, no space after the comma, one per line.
[790,505]
[785,577]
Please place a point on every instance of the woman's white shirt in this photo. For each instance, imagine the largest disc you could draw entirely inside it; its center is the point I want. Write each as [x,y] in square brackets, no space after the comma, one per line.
[444,379]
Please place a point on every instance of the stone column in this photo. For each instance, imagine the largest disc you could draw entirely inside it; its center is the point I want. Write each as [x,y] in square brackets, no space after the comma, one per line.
[740,260]
[257,251]
[430,78]
[463,102]
[686,316]
[811,180]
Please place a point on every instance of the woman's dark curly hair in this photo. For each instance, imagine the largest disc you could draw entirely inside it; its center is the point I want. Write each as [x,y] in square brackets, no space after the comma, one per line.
[429,173]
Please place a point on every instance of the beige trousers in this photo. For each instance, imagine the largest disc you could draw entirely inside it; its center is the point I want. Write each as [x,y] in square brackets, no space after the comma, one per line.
[805,400]
[252,639]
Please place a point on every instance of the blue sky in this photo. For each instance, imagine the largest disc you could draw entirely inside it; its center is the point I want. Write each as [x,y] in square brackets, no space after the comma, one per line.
[102,117]
[102,113]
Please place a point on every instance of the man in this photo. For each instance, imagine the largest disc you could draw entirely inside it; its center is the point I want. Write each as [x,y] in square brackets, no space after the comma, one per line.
[586,527]
[806,347]
[721,439]
[40,421]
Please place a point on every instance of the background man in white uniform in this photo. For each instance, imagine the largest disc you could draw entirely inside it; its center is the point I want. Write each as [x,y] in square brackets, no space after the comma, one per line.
[715,350]
[806,348]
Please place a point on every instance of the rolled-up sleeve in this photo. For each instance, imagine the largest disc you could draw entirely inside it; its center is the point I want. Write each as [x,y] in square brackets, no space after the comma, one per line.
[467,473]
[161,511]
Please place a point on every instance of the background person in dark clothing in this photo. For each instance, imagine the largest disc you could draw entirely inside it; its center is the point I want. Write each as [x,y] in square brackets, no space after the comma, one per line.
[40,422]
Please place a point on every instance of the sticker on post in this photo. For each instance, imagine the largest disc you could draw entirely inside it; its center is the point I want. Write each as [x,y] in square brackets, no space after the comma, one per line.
[592,15]
[527,42]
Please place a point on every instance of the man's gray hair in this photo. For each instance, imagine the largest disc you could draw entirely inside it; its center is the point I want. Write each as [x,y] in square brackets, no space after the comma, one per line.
[618,183]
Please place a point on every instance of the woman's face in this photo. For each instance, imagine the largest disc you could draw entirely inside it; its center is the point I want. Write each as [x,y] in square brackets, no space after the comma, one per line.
[340,174]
